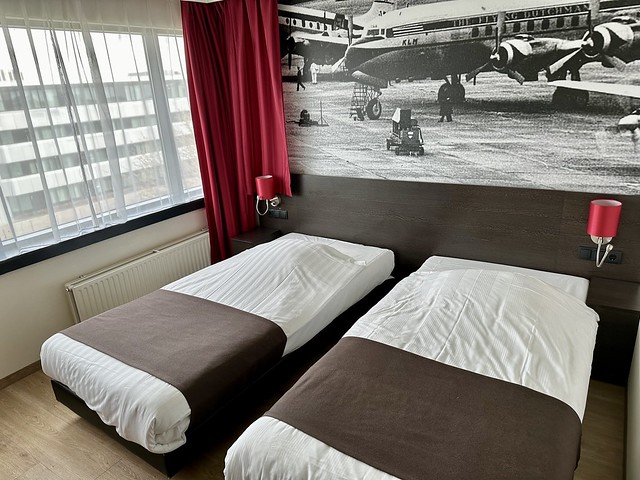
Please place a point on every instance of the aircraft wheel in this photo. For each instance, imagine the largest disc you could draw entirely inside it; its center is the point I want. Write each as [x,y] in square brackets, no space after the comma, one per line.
[581,99]
[561,98]
[458,93]
[374,109]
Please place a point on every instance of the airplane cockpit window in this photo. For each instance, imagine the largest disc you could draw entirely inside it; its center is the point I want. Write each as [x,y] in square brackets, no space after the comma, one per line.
[340,22]
[374,32]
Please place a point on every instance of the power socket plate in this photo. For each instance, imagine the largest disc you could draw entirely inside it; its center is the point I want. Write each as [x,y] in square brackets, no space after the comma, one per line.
[279,213]
[589,253]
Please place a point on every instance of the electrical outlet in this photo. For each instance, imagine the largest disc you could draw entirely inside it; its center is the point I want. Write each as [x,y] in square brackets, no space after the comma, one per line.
[278,213]
[589,253]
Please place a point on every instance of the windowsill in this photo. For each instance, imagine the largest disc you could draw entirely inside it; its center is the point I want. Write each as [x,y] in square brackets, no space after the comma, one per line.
[31,258]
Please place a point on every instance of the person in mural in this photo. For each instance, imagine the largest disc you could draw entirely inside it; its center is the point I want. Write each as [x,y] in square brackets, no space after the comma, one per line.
[306,65]
[299,80]
[314,69]
[444,97]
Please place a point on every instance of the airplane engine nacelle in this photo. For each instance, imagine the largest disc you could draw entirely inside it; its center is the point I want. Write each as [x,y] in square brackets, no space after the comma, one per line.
[510,53]
[629,122]
[610,39]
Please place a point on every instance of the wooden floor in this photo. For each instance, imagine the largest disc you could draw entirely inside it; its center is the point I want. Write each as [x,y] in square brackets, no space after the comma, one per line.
[43,440]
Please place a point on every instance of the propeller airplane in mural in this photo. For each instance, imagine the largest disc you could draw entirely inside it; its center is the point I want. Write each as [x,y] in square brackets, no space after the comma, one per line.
[322,35]
[519,38]
[513,126]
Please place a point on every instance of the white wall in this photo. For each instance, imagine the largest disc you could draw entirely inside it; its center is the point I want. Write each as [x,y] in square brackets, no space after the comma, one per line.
[633,416]
[33,302]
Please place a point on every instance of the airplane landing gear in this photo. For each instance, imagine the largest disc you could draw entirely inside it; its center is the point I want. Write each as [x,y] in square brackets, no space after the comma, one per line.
[365,98]
[455,90]
[569,99]
[374,109]
[458,93]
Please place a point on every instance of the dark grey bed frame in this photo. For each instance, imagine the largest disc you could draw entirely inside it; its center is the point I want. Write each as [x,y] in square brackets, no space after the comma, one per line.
[245,407]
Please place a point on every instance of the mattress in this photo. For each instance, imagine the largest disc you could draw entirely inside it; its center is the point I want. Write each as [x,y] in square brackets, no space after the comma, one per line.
[551,353]
[266,281]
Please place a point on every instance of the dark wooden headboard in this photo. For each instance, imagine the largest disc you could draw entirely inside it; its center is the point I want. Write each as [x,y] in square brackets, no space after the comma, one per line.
[539,229]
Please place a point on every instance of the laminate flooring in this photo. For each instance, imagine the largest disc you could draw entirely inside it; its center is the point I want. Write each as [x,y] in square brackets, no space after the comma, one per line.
[41,439]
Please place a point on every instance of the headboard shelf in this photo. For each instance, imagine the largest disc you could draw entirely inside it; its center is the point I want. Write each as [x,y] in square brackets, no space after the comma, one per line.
[530,228]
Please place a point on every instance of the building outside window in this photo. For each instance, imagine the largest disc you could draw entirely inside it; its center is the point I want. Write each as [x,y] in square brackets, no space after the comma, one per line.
[95,129]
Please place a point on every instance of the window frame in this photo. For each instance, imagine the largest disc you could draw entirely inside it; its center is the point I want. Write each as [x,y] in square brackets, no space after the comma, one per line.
[50,251]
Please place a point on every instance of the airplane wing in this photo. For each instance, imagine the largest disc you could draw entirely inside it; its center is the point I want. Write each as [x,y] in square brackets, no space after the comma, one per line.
[629,122]
[632,91]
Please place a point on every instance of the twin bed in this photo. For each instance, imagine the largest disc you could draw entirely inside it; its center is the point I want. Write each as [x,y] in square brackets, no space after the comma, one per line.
[465,370]
[161,366]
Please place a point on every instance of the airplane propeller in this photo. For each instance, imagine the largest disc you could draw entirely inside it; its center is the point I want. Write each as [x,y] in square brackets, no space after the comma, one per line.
[499,32]
[495,56]
[597,42]
[338,65]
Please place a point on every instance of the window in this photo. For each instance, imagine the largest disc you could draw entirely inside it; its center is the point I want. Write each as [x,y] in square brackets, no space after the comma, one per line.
[530,25]
[560,22]
[575,21]
[488,30]
[475,32]
[90,144]
[545,24]
[516,27]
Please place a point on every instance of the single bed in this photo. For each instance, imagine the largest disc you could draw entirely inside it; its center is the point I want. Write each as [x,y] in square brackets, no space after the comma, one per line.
[465,370]
[292,288]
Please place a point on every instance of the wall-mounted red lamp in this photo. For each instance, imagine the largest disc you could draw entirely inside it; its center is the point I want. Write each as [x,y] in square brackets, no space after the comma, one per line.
[267,192]
[604,216]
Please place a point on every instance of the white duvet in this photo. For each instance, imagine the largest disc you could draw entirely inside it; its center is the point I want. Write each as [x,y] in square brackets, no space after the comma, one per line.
[505,325]
[299,282]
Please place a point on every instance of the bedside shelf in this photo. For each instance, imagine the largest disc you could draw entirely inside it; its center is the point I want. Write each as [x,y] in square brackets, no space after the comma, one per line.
[618,305]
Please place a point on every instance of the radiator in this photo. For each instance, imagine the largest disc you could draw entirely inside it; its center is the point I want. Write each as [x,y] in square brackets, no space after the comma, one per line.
[115,285]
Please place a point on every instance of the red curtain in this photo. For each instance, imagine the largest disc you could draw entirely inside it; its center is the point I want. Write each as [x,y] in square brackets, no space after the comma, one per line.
[235,86]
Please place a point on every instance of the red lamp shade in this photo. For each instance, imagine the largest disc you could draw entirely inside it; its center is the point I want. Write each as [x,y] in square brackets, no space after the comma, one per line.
[265,187]
[604,216]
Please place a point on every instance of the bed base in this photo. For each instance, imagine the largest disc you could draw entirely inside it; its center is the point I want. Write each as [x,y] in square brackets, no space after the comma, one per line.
[255,398]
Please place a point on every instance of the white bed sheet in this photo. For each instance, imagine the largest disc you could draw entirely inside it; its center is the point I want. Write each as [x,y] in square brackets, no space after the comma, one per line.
[482,324]
[302,298]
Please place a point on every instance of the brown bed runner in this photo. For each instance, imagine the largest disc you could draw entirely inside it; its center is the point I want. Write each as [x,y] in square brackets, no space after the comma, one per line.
[416,418]
[206,350]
